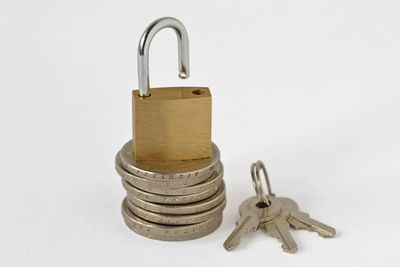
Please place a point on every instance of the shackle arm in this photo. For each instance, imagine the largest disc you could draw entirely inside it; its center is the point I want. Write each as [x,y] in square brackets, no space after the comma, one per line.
[144,45]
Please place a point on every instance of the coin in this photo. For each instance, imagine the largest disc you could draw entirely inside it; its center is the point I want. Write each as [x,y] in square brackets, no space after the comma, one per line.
[191,208]
[160,186]
[168,169]
[176,219]
[165,199]
[163,187]
[168,232]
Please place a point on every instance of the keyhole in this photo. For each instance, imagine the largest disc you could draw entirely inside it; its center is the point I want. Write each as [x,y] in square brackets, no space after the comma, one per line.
[197,92]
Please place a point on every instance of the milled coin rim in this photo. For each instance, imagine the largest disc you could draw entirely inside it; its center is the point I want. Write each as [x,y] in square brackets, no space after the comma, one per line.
[164,189]
[180,209]
[165,199]
[147,184]
[162,170]
[167,232]
[170,219]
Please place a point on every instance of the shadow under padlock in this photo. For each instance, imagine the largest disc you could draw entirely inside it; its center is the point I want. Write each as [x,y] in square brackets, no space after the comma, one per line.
[171,123]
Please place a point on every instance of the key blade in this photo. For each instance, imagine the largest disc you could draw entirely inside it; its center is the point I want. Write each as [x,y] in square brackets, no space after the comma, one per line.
[244,225]
[301,220]
[280,230]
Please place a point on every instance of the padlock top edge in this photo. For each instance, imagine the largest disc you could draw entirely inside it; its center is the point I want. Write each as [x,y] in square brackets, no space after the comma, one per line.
[175,93]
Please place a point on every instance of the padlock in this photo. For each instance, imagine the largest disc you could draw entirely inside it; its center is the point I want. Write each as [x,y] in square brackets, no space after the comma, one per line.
[171,123]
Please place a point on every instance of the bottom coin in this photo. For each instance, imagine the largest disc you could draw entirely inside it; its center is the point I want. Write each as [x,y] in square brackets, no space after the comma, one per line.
[168,232]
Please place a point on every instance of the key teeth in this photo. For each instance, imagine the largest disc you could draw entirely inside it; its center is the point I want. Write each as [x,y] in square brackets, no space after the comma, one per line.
[283,246]
[298,225]
[229,245]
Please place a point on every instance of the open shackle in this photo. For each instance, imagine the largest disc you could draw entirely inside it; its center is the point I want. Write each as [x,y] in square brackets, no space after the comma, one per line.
[144,45]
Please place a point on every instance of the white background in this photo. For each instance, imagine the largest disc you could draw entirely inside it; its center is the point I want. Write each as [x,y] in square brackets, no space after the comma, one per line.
[309,87]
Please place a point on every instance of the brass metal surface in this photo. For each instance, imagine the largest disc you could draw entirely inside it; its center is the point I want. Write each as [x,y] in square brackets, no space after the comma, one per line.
[174,123]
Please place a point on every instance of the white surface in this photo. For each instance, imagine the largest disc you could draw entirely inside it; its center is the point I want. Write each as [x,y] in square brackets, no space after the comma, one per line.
[310,87]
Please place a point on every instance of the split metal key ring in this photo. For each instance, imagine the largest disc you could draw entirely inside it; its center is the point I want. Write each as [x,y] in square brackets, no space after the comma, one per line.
[255,177]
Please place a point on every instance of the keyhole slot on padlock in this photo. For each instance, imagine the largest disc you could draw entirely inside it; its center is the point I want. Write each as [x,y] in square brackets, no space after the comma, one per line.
[197,92]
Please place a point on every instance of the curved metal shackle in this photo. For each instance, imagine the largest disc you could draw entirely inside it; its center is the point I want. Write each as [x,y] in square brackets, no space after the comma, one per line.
[255,177]
[144,45]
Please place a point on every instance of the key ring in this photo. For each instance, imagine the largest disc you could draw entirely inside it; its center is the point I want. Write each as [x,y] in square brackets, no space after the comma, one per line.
[255,177]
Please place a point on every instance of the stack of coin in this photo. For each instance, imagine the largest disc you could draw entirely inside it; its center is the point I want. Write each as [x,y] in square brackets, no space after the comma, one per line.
[172,200]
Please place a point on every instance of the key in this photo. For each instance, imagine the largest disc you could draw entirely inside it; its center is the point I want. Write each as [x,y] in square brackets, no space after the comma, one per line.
[279,228]
[302,220]
[244,225]
[275,214]
[252,213]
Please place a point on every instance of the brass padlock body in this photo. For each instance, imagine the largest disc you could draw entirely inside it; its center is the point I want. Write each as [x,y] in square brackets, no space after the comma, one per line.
[174,123]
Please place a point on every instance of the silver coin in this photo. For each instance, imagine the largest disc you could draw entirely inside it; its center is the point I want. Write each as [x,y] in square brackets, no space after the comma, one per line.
[176,219]
[163,188]
[148,184]
[168,232]
[165,199]
[168,169]
[191,208]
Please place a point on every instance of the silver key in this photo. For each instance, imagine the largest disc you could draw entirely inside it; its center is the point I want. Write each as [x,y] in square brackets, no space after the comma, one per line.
[301,220]
[252,213]
[279,228]
[275,214]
